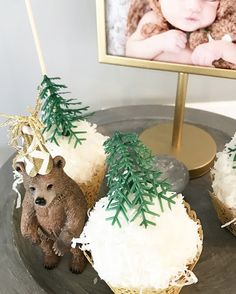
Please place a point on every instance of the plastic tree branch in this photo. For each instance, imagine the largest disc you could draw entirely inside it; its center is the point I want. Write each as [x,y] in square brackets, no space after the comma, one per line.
[232,153]
[59,115]
[132,182]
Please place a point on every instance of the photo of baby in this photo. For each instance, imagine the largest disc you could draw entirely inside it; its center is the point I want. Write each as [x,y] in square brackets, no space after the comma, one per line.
[191,32]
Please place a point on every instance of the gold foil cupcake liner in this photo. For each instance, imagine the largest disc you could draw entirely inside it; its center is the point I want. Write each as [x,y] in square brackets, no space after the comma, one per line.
[91,188]
[224,213]
[171,289]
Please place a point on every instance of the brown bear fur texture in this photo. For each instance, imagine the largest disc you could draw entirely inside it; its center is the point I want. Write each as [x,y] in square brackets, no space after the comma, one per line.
[224,24]
[53,212]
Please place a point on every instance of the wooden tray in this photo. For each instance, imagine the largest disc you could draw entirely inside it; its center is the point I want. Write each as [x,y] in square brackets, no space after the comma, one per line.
[21,269]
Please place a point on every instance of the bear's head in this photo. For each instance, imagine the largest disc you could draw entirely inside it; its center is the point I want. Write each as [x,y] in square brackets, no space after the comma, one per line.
[45,188]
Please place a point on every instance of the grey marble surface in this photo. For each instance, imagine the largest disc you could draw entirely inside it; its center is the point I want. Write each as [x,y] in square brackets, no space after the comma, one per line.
[21,269]
[173,170]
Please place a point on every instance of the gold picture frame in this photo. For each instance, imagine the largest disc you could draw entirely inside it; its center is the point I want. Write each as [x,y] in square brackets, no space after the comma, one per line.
[177,139]
[105,57]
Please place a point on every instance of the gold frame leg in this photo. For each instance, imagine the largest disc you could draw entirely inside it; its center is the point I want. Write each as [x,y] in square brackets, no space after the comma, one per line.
[197,150]
[187,143]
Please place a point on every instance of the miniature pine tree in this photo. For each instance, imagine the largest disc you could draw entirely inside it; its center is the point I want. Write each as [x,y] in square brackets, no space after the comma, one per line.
[59,114]
[132,182]
[232,153]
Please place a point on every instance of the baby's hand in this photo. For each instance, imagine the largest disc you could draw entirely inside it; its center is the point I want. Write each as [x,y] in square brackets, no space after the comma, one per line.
[206,53]
[174,41]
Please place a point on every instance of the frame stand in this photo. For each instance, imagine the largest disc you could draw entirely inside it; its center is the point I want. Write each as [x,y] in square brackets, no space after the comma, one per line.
[187,143]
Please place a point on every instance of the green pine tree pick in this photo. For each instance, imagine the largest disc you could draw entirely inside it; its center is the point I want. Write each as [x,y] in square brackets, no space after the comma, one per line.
[232,153]
[59,115]
[132,181]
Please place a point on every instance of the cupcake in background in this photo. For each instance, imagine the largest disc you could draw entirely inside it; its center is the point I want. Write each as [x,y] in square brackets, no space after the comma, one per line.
[224,185]
[70,135]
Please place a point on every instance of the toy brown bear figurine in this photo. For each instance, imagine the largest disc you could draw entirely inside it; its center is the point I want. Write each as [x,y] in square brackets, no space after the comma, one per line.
[53,212]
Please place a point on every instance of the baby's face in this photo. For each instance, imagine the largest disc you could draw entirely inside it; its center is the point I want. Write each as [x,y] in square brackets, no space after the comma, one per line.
[189,15]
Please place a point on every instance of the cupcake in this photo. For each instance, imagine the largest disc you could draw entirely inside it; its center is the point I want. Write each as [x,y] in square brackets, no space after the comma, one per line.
[85,164]
[141,237]
[70,135]
[224,185]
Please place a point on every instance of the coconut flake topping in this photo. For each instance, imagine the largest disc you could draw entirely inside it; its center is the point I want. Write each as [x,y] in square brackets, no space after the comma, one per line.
[135,257]
[82,161]
[224,175]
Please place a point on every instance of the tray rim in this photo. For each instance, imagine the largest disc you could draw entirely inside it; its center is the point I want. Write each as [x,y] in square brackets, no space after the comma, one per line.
[23,281]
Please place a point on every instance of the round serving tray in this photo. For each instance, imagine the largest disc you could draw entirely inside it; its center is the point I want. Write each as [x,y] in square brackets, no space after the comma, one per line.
[21,269]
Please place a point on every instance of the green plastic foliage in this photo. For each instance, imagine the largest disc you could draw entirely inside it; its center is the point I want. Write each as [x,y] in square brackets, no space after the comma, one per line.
[232,153]
[59,114]
[132,181]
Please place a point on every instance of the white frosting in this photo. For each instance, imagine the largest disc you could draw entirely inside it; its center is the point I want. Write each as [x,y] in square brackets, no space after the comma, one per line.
[224,175]
[82,161]
[135,257]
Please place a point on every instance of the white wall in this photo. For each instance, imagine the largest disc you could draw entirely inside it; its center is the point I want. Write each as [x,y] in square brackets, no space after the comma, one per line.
[67,30]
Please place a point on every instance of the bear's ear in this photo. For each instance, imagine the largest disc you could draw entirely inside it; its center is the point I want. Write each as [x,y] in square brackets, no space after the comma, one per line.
[59,162]
[19,167]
